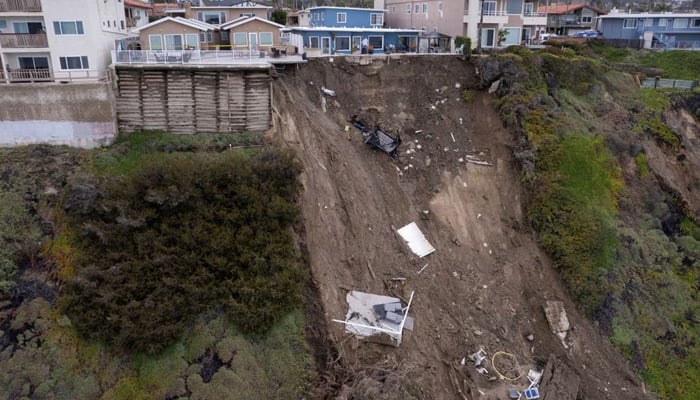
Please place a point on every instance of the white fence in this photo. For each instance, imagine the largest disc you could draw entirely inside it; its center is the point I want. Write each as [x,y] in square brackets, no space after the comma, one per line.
[193,57]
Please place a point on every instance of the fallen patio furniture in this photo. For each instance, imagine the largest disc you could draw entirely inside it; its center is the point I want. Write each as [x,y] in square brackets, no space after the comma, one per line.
[532,393]
[369,317]
[416,240]
[381,140]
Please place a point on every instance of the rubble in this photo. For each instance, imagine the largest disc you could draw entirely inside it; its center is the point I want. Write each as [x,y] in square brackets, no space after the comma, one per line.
[415,239]
[558,322]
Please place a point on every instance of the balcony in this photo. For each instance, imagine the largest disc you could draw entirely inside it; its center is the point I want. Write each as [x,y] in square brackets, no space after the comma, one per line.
[23,40]
[490,17]
[533,18]
[27,75]
[20,5]
[130,22]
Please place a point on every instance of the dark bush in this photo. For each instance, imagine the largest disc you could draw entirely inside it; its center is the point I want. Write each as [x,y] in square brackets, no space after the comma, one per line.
[181,235]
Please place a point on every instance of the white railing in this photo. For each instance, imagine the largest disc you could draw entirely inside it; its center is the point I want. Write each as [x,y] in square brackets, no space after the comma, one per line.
[20,5]
[47,75]
[188,56]
[23,40]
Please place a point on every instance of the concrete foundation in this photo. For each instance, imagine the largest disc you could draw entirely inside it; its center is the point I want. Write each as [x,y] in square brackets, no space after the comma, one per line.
[79,115]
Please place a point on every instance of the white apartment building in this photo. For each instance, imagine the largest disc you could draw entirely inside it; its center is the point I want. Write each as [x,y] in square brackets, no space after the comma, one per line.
[519,19]
[58,39]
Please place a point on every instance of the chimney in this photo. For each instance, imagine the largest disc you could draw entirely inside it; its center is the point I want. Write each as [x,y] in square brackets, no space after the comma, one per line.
[188,10]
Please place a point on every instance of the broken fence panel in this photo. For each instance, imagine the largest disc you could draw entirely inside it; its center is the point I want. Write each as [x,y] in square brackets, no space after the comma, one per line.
[416,240]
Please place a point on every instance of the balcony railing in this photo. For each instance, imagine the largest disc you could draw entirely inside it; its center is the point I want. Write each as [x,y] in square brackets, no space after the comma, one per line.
[215,57]
[23,40]
[28,75]
[20,5]
[130,22]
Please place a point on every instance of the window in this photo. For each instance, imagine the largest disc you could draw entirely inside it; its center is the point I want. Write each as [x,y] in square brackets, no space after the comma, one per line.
[266,38]
[69,27]
[173,42]
[529,9]
[662,21]
[425,8]
[416,9]
[489,8]
[342,43]
[247,15]
[210,17]
[408,8]
[155,42]
[341,18]
[649,22]
[224,36]
[440,6]
[202,38]
[109,24]
[695,23]
[240,39]
[313,42]
[393,9]
[376,41]
[77,62]
[122,23]
[680,23]
[210,37]
[3,24]
[586,19]
[629,23]
[33,62]
[191,41]
[376,19]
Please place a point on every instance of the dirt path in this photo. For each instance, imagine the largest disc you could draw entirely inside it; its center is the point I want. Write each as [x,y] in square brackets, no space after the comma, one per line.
[486,284]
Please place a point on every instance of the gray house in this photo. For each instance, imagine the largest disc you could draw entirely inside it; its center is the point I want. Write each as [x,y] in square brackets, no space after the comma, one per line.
[657,30]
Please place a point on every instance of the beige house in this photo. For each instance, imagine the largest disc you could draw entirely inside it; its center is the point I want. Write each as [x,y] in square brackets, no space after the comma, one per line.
[253,33]
[176,34]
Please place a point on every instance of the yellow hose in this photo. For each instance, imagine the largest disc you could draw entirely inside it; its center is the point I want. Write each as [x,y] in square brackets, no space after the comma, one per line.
[493,365]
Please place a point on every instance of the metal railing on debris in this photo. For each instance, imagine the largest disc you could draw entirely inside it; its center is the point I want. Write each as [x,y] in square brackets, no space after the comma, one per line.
[668,83]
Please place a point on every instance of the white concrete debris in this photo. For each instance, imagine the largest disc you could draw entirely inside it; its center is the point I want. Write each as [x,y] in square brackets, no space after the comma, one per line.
[558,322]
[328,92]
[416,240]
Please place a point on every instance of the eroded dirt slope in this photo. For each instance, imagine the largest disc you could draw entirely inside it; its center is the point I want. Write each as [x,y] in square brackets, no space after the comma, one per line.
[486,284]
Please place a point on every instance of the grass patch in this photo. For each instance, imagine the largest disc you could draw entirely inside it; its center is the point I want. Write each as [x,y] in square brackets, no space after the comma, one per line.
[676,64]
[640,160]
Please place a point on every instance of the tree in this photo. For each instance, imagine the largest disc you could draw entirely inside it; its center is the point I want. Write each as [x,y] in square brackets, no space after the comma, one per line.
[279,16]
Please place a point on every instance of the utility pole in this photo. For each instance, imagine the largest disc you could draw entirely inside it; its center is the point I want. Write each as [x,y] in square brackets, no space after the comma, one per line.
[478,29]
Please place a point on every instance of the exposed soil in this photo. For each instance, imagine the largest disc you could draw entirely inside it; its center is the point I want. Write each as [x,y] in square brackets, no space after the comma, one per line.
[486,284]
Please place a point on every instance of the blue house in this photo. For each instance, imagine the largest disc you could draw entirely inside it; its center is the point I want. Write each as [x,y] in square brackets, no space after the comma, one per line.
[344,30]
[658,30]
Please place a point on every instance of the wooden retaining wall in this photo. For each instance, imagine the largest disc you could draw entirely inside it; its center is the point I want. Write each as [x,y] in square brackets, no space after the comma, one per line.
[190,100]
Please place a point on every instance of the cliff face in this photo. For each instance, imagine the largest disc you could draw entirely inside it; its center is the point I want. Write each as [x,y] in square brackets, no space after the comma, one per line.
[568,153]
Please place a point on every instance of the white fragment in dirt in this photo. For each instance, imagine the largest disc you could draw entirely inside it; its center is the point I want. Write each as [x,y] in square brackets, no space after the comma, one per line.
[486,244]
[461,121]
[416,140]
[461,160]
[422,269]
[481,392]
[457,85]
[419,147]
[311,83]
[490,252]
[415,239]
[443,101]
[326,207]
[464,184]
[478,216]
[494,86]
[464,361]
[405,168]
[330,59]
[328,92]
[418,131]
[426,212]
[485,287]
[398,169]
[453,137]
[432,107]
[437,90]
[446,149]
[410,165]
[427,161]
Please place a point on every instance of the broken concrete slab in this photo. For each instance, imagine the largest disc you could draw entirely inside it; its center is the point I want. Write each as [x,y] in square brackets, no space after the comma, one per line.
[556,316]
[415,239]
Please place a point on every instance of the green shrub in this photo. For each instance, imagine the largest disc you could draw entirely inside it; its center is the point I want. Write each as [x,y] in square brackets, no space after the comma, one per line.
[467,96]
[642,165]
[179,235]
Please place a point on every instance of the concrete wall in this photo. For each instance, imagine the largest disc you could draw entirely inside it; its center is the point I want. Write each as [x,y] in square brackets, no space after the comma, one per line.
[80,115]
